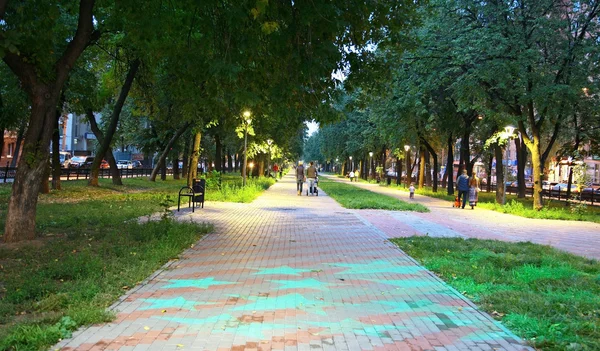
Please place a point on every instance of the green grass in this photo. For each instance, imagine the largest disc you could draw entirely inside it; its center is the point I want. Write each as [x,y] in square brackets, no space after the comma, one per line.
[91,250]
[548,297]
[523,207]
[350,196]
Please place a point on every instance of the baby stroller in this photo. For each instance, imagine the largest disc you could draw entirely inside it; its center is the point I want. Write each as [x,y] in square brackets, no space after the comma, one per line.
[315,190]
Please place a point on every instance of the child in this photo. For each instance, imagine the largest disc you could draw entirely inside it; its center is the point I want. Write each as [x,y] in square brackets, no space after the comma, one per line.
[411,190]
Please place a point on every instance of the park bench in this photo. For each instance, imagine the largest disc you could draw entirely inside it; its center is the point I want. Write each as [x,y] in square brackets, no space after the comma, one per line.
[194,193]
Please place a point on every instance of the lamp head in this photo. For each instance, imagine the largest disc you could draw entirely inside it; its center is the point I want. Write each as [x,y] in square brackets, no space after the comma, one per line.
[350,158]
[246,114]
[406,147]
[371,154]
[269,141]
[251,164]
[509,130]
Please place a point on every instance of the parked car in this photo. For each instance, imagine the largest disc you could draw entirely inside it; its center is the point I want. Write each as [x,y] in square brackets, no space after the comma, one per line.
[87,163]
[65,159]
[124,164]
[590,189]
[77,161]
[563,187]
[138,164]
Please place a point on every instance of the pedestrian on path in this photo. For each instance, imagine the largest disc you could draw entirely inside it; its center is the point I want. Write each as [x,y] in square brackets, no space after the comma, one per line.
[411,190]
[473,190]
[351,175]
[311,175]
[462,184]
[299,177]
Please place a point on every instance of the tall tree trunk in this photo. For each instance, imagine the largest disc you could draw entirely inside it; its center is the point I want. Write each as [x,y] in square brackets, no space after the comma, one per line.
[489,173]
[521,163]
[167,148]
[229,161]
[450,166]
[436,166]
[56,166]
[499,174]
[112,126]
[163,168]
[176,167]
[186,158]
[218,153]
[421,167]
[115,174]
[195,155]
[398,171]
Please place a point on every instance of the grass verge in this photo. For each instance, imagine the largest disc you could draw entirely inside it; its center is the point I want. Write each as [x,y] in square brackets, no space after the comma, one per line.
[550,298]
[523,207]
[91,250]
[350,196]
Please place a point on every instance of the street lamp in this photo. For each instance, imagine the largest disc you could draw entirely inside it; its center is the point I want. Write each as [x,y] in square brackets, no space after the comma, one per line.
[351,164]
[247,122]
[371,164]
[251,165]
[509,130]
[407,148]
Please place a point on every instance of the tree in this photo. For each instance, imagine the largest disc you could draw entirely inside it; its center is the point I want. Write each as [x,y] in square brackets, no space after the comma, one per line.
[42,76]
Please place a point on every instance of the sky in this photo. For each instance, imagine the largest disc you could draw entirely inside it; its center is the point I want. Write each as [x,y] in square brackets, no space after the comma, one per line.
[312,127]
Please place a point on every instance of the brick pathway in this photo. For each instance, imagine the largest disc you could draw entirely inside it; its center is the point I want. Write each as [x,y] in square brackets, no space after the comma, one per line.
[581,238]
[294,272]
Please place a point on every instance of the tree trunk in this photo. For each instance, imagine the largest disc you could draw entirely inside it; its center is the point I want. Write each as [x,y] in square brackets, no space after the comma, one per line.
[176,168]
[112,126]
[195,155]
[186,158]
[218,153]
[569,182]
[115,174]
[22,206]
[421,167]
[229,162]
[398,171]
[56,166]
[521,162]
[162,164]
[167,148]
[489,174]
[450,166]
[45,188]
[436,166]
[499,174]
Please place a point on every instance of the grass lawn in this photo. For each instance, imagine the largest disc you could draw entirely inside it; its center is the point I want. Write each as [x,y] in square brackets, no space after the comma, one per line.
[350,196]
[523,207]
[91,250]
[550,298]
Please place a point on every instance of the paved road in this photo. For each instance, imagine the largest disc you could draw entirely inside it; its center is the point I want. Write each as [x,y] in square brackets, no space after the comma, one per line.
[581,238]
[293,272]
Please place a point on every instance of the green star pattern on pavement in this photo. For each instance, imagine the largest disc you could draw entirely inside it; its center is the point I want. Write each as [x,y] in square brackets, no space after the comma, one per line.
[302,284]
[179,302]
[283,270]
[290,301]
[379,266]
[195,283]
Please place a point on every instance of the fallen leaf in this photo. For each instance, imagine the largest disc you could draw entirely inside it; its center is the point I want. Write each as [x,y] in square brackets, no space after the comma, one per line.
[146,328]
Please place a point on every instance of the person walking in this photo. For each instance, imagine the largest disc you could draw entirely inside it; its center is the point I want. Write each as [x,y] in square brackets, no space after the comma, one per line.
[311,176]
[411,191]
[299,177]
[473,190]
[462,184]
[351,176]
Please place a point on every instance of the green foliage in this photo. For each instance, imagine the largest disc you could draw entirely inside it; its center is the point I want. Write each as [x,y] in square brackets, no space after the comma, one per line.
[350,196]
[546,296]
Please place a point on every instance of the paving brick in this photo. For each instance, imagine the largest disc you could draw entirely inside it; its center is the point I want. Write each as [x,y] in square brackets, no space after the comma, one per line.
[291,272]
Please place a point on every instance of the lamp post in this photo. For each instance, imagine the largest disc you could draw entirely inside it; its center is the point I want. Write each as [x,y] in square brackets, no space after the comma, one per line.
[251,165]
[351,164]
[407,148]
[371,164]
[336,164]
[509,130]
[247,122]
